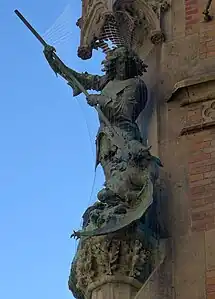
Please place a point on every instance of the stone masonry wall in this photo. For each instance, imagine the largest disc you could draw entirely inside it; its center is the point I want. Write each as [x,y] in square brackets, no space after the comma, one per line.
[186,145]
[190,169]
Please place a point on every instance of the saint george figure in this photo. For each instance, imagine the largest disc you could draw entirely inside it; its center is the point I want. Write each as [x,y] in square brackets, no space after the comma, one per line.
[120,150]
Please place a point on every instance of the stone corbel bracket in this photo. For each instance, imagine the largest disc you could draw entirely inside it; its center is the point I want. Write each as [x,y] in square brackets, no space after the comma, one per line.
[197,92]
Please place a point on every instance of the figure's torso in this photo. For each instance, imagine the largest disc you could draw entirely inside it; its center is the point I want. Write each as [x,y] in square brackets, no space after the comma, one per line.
[127,100]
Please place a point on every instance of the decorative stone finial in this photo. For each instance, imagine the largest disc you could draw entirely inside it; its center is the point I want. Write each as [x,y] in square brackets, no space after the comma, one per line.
[157,37]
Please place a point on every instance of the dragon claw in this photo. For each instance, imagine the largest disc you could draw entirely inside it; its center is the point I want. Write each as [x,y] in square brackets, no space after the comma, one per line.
[75,235]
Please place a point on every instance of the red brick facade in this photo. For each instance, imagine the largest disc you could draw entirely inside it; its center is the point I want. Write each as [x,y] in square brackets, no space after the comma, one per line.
[192,15]
[202,180]
[210,283]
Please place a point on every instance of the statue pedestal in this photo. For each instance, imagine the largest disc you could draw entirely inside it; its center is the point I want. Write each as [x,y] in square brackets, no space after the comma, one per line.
[110,266]
[113,266]
[114,287]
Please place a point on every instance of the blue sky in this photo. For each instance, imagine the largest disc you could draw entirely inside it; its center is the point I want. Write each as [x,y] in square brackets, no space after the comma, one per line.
[47,156]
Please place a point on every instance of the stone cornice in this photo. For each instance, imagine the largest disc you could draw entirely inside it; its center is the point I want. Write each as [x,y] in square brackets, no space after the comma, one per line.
[196,128]
[196,93]
[183,87]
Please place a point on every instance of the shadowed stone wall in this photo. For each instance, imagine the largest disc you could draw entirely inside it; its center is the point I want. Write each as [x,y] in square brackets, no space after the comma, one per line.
[185,141]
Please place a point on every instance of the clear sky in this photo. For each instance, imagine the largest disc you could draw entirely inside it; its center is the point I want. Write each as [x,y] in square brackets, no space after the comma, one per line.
[46,156]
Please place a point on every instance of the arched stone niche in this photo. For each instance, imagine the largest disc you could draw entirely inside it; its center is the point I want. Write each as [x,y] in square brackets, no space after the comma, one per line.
[139,19]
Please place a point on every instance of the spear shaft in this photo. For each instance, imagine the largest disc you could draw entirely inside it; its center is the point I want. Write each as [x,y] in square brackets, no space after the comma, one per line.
[115,135]
[27,24]
[44,43]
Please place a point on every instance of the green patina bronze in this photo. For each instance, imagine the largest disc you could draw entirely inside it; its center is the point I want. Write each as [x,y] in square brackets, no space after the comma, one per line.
[126,162]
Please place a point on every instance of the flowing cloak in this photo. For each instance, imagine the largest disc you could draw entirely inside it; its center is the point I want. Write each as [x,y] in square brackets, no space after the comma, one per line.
[127,99]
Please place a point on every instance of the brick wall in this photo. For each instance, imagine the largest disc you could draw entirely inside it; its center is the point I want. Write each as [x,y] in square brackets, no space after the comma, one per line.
[202,180]
[194,24]
[207,41]
[210,283]
[189,160]
[202,196]
[192,205]
[201,170]
[192,16]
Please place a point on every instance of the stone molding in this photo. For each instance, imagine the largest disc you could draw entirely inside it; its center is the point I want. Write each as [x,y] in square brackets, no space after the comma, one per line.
[182,85]
[119,279]
[197,90]
[208,112]
[207,118]
[196,128]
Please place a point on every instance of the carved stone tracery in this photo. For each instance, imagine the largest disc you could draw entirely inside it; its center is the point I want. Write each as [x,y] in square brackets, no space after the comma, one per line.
[158,6]
[132,18]
[145,15]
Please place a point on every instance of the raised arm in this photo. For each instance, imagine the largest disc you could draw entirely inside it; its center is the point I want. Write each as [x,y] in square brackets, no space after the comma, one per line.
[88,81]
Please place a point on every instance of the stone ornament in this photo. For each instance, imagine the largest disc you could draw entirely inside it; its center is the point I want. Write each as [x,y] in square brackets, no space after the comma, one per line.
[159,6]
[101,256]
[126,257]
[157,37]
[208,112]
[132,17]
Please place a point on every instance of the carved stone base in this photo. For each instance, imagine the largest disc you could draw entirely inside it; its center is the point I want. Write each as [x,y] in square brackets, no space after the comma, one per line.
[114,287]
[115,265]
[125,257]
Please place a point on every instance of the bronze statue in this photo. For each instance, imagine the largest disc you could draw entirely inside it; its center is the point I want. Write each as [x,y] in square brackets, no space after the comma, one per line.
[124,159]
[122,229]
[130,170]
